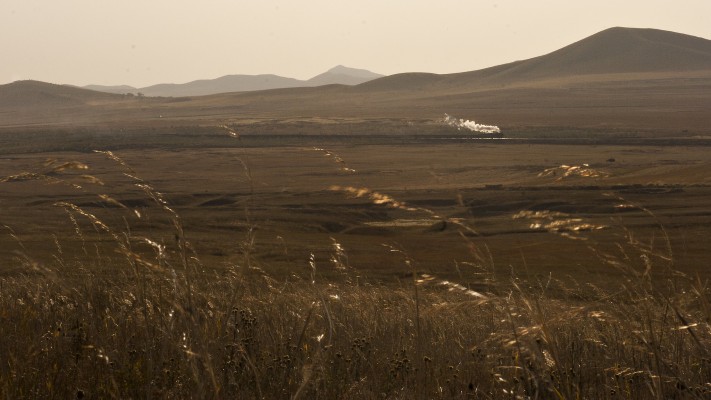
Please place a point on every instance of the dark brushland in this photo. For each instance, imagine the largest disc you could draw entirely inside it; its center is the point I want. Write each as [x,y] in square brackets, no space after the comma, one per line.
[342,241]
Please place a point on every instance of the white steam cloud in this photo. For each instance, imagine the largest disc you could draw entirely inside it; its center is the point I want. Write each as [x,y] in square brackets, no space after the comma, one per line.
[471,125]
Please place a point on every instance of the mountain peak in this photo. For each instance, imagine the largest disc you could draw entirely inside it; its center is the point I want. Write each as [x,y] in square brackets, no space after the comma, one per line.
[342,69]
[339,68]
[343,75]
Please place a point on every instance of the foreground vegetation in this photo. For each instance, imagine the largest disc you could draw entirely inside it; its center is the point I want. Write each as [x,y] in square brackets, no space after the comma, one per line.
[149,320]
[142,329]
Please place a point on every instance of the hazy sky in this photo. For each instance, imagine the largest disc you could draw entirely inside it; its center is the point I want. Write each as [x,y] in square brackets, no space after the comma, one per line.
[142,42]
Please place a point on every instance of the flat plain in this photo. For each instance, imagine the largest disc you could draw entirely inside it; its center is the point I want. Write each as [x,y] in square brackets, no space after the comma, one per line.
[434,266]
[293,201]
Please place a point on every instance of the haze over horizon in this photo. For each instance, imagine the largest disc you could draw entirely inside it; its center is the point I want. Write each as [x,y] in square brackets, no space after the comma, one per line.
[139,44]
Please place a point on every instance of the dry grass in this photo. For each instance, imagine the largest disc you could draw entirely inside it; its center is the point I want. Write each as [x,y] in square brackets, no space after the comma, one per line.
[238,334]
[149,320]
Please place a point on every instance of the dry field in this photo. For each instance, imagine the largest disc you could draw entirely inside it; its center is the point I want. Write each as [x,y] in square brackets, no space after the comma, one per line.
[434,269]
[293,201]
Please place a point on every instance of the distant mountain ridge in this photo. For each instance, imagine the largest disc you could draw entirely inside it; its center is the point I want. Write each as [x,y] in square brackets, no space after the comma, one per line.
[340,75]
[615,50]
[618,78]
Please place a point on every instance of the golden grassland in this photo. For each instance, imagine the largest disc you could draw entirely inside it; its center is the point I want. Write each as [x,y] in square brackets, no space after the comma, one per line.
[472,270]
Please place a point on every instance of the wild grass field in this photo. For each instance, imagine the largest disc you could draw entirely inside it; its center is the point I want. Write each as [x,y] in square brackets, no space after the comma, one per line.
[431,270]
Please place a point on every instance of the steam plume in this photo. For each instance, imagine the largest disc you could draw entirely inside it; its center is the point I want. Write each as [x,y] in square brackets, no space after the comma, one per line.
[471,125]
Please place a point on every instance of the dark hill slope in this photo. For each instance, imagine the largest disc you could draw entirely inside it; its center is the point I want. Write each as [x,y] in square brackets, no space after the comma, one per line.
[21,94]
[619,50]
[612,51]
